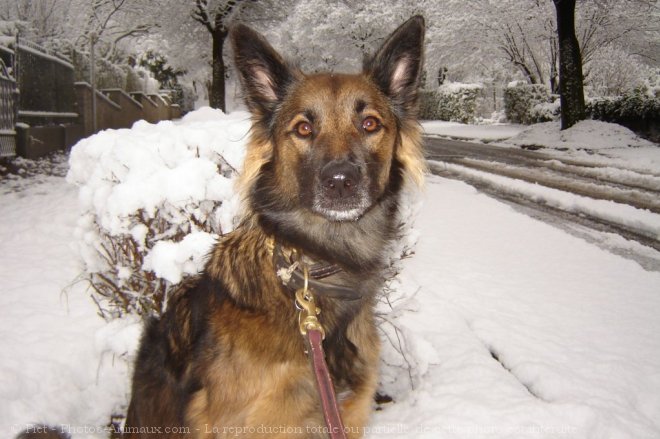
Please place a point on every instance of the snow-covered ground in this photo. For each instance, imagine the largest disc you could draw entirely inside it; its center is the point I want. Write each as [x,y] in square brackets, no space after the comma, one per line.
[480,133]
[56,365]
[510,327]
[605,160]
[521,330]
[589,142]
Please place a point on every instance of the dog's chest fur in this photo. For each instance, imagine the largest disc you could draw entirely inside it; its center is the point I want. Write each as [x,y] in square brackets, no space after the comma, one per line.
[253,370]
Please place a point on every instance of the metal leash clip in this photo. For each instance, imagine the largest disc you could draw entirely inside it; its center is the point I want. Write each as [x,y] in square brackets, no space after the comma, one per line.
[308,311]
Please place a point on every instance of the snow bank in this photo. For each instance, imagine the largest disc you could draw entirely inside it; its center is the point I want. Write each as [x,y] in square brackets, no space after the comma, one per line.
[589,135]
[154,198]
[592,142]
[475,133]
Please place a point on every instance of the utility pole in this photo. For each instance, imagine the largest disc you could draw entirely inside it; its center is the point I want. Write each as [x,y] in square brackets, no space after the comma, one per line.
[92,79]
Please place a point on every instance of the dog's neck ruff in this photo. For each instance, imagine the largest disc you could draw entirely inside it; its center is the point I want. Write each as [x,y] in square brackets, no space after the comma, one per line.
[289,267]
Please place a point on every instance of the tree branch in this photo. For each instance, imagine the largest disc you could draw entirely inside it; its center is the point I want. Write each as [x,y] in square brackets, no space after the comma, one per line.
[201,14]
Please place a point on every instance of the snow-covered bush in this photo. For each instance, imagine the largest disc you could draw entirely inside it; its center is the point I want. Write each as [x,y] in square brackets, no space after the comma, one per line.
[545,111]
[453,102]
[154,199]
[638,110]
[525,103]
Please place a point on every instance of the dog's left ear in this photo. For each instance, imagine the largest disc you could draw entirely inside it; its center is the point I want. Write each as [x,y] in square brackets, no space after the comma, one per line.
[396,67]
[264,75]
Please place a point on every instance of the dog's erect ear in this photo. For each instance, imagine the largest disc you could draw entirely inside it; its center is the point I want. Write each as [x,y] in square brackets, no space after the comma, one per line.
[396,67]
[264,74]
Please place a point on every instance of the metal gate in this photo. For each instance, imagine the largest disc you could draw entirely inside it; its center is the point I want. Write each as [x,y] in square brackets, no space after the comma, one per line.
[8,98]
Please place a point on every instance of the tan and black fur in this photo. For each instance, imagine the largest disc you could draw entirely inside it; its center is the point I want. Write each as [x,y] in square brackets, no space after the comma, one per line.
[327,158]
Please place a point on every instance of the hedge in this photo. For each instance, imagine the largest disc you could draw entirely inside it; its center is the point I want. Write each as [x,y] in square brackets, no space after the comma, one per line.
[529,103]
[453,102]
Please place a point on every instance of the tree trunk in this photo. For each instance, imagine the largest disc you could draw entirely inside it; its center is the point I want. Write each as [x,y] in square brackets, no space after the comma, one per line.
[570,65]
[217,95]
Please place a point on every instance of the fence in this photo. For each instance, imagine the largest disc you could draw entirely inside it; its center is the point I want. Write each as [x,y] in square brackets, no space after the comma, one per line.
[54,112]
[45,79]
[8,95]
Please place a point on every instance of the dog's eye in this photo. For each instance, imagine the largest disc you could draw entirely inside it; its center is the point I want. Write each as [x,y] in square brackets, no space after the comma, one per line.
[304,129]
[370,124]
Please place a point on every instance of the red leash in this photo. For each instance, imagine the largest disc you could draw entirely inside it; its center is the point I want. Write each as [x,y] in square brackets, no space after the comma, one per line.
[313,332]
[324,385]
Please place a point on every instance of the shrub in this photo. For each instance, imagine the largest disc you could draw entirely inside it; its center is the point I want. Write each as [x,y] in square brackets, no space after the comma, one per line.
[453,102]
[525,104]
[545,111]
[154,199]
[637,110]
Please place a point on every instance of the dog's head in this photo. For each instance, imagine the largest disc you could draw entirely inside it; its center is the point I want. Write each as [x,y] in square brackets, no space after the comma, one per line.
[327,148]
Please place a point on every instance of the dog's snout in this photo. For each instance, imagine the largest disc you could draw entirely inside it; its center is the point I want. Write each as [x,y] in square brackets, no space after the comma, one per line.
[340,179]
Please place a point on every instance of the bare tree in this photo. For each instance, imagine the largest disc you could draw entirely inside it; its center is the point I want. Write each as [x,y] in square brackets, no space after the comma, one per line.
[112,21]
[525,31]
[571,89]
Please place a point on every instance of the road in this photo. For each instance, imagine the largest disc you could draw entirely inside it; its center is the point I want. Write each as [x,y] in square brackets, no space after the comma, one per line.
[459,160]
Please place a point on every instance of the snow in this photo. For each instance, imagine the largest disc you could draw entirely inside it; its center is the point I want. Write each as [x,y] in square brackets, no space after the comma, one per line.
[592,141]
[506,326]
[58,363]
[481,133]
[574,327]
[643,221]
[170,260]
[609,147]
[587,134]
[456,87]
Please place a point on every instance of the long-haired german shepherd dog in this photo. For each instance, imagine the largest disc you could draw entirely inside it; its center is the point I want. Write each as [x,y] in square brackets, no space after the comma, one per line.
[328,155]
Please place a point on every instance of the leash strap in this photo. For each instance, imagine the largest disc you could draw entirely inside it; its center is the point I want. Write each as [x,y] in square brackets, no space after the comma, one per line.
[311,329]
[324,384]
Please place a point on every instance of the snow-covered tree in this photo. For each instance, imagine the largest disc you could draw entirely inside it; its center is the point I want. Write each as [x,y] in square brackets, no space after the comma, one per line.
[524,32]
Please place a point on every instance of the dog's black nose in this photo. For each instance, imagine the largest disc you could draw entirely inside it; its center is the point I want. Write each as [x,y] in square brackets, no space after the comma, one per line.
[340,179]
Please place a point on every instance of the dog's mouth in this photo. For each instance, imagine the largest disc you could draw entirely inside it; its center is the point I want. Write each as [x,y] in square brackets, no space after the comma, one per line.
[350,209]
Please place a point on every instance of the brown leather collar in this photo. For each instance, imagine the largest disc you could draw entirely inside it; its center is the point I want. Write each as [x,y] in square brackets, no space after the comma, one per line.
[289,270]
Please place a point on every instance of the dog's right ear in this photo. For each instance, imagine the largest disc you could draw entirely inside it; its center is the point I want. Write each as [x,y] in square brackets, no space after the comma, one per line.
[264,75]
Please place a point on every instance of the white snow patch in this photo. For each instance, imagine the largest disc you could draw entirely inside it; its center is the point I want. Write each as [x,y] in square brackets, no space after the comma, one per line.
[589,135]
[170,260]
[476,133]
[177,176]
[643,221]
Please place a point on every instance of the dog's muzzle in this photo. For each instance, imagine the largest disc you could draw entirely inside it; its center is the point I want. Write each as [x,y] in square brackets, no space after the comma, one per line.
[341,193]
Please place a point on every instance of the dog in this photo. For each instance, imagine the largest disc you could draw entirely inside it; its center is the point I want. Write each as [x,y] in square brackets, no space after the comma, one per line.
[327,158]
